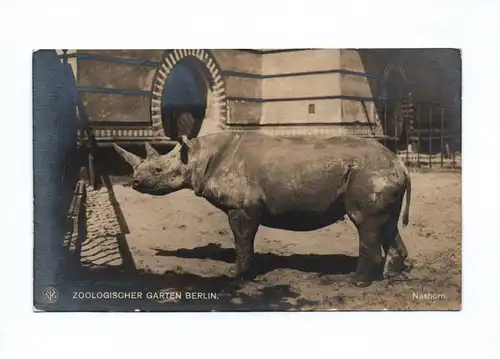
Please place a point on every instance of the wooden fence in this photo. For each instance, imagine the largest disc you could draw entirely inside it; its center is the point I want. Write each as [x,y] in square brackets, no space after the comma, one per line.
[427,137]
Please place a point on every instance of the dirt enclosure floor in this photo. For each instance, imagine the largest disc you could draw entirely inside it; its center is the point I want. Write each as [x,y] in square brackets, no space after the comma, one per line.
[178,252]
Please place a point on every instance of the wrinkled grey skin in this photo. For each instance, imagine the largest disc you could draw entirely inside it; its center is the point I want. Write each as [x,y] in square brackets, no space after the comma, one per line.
[290,184]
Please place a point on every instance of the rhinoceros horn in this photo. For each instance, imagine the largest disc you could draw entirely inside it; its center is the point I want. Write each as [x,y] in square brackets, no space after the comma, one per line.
[151,152]
[132,159]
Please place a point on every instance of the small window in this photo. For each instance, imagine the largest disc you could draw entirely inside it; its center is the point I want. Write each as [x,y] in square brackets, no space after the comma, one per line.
[312,109]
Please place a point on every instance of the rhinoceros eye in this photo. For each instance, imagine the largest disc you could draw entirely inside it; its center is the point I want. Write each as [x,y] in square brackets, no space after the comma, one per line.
[158,170]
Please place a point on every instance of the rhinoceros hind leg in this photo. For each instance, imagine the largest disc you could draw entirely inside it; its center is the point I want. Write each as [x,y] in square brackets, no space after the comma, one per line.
[370,262]
[244,225]
[397,261]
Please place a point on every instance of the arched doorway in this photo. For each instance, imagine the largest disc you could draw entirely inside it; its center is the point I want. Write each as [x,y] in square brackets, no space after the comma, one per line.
[184,101]
[188,96]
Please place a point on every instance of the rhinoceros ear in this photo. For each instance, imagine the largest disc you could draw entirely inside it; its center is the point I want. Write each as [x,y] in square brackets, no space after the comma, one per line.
[150,151]
[132,159]
[185,142]
[185,146]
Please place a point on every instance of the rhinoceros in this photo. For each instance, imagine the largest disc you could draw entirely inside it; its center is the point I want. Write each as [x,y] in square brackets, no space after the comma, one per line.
[290,184]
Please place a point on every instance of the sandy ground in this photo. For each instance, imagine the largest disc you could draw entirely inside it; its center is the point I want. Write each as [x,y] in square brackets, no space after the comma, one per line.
[181,244]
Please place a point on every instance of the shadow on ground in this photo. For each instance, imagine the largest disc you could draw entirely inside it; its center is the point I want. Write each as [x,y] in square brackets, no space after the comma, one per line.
[227,294]
[266,262]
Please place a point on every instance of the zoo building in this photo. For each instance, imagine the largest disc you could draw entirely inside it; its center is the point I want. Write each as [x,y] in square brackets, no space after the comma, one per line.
[408,98]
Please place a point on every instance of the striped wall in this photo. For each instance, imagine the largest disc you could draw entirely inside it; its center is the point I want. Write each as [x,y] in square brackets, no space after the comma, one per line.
[340,84]
[263,87]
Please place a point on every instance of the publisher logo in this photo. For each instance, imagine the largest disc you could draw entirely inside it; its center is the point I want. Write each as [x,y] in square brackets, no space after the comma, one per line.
[50,295]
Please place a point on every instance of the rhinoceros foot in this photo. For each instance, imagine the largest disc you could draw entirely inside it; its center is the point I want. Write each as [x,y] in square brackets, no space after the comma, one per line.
[243,274]
[360,282]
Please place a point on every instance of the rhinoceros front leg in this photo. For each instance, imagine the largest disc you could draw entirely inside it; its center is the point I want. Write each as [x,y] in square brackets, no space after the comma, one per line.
[244,224]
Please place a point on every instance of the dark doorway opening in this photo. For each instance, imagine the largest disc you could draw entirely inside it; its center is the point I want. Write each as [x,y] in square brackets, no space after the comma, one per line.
[184,102]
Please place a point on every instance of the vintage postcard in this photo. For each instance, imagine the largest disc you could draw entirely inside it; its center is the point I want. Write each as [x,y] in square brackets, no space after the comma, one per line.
[247,179]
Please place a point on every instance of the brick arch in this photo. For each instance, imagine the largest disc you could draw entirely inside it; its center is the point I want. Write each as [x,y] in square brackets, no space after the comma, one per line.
[172,58]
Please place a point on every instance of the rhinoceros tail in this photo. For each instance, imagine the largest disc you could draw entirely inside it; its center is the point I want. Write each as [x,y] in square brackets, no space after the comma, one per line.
[406,214]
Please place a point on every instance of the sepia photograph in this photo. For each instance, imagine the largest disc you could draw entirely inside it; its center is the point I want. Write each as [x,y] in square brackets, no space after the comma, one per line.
[198,180]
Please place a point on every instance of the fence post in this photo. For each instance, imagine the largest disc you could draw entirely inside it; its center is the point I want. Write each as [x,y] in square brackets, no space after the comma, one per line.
[430,137]
[442,139]
[407,139]
[65,57]
[385,123]
[418,135]
[396,135]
